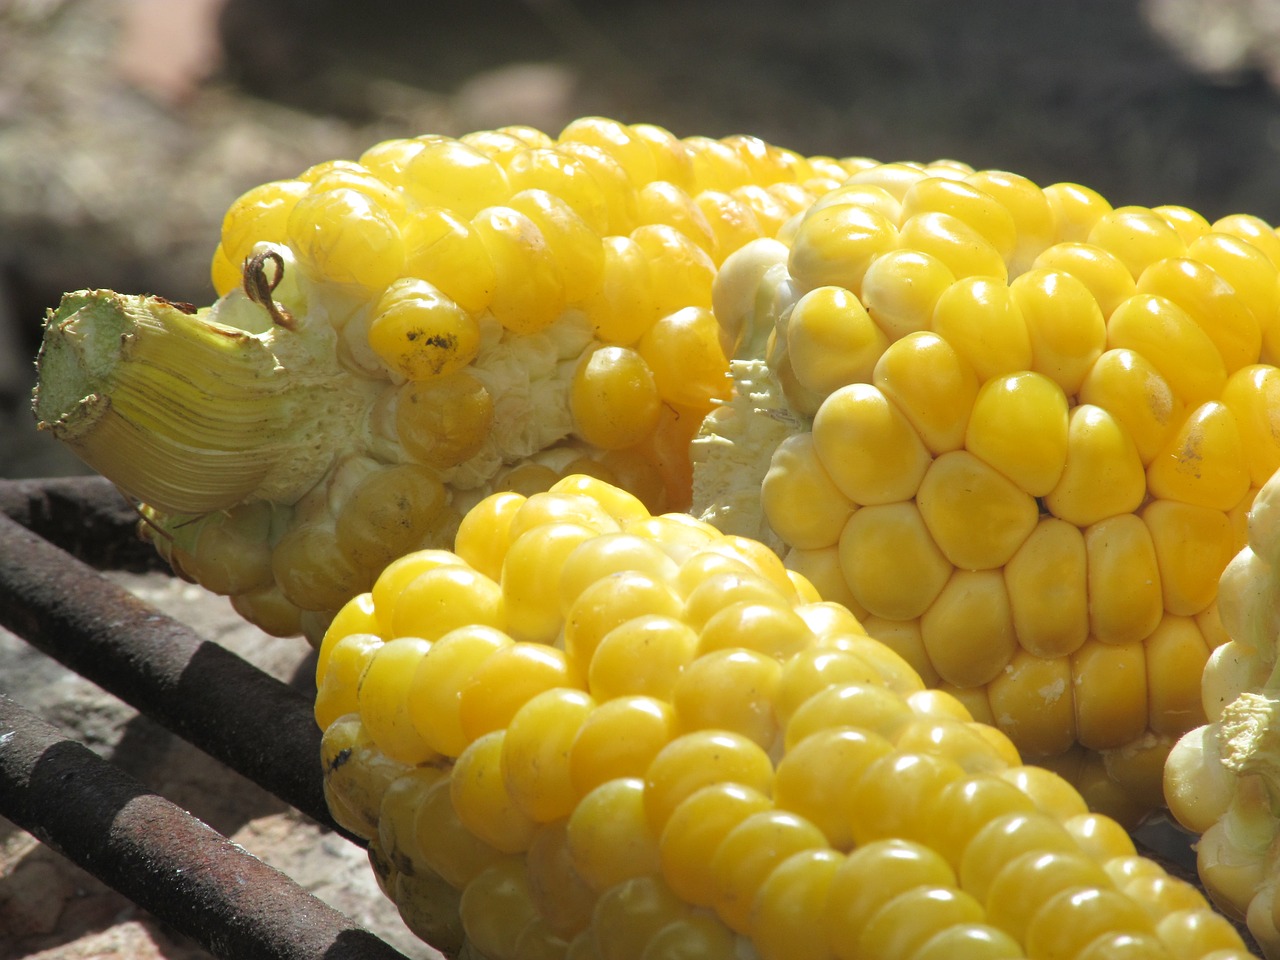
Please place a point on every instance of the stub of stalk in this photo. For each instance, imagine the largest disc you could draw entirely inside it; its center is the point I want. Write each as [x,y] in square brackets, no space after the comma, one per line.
[187,414]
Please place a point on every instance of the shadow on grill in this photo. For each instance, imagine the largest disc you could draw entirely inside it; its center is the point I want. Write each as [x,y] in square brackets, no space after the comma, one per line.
[95,813]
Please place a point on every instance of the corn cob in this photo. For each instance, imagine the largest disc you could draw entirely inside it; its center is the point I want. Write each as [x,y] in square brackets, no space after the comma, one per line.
[399,336]
[1221,778]
[1016,431]
[633,736]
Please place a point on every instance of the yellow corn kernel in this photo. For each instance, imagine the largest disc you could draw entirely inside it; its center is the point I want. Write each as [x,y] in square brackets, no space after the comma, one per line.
[1189,224]
[345,237]
[259,214]
[420,333]
[869,878]
[1032,700]
[1065,325]
[1254,230]
[699,759]
[832,341]
[869,707]
[564,176]
[535,752]
[815,777]
[909,920]
[616,185]
[1204,462]
[1026,881]
[662,202]
[768,628]
[610,839]
[389,159]
[671,157]
[503,682]
[619,739]
[1193,545]
[444,251]
[1047,585]
[1110,683]
[716,165]
[1137,237]
[890,561]
[834,246]
[903,637]
[1074,918]
[976,515]
[968,631]
[1126,600]
[791,904]
[892,798]
[626,304]
[1019,426]
[683,351]
[613,398]
[1002,839]
[1176,657]
[1252,394]
[450,174]
[696,827]
[481,800]
[964,251]
[1032,215]
[869,448]
[732,222]
[1103,475]
[1075,210]
[979,317]
[900,290]
[1212,303]
[749,853]
[682,271]
[934,387]
[865,195]
[801,502]
[1251,275]
[575,247]
[619,141]
[991,219]
[1107,278]
[388,513]
[895,178]
[530,291]
[1126,384]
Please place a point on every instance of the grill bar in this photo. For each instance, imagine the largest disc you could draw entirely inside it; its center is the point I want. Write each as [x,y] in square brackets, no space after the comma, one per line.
[162,858]
[209,696]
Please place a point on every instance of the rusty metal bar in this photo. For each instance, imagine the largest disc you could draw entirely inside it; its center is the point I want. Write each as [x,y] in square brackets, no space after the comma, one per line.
[161,857]
[201,691]
[86,516]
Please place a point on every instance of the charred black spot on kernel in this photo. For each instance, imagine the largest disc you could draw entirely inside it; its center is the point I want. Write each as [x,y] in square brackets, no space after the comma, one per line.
[339,759]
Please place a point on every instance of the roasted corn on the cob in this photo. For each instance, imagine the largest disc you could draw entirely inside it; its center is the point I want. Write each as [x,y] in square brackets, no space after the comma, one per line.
[397,337]
[1014,429]
[632,736]
[1221,778]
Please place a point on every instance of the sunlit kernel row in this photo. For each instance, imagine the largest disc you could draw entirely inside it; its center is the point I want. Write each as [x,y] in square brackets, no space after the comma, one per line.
[1036,424]
[591,732]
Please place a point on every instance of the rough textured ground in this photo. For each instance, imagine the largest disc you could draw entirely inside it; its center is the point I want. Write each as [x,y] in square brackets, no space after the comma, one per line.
[128,126]
[52,910]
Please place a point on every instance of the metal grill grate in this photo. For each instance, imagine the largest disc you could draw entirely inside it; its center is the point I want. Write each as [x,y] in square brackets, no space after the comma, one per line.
[52,535]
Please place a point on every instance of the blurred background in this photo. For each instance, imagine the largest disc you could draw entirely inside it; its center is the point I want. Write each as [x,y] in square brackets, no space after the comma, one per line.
[128,126]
